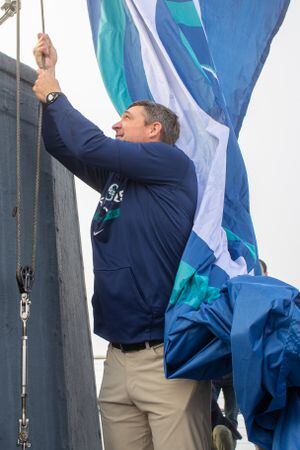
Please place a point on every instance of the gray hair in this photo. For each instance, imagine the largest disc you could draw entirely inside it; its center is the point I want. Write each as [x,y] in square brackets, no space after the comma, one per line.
[160,113]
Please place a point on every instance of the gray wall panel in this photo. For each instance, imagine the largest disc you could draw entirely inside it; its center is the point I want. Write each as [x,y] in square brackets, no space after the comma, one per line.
[62,396]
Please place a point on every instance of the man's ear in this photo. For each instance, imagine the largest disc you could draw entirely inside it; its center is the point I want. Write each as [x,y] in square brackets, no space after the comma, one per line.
[155,130]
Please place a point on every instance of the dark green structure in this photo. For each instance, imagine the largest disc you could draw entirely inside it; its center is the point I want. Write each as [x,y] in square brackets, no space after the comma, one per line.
[62,404]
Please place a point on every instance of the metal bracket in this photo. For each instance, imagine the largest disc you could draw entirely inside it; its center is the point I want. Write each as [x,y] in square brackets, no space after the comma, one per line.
[23,435]
[10,9]
[25,307]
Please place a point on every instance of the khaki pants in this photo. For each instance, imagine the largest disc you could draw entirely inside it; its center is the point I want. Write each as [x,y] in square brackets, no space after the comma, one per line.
[142,410]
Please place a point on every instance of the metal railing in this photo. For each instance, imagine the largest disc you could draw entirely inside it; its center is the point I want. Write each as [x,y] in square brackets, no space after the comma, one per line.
[99,357]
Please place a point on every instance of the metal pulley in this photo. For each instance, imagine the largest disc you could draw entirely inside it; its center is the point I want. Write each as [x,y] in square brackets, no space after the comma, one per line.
[25,279]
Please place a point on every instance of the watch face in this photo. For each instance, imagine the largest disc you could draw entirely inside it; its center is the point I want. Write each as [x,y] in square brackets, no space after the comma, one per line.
[51,97]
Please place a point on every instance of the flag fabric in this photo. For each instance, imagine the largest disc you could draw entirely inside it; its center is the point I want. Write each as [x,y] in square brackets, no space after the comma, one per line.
[200,58]
[239,35]
[158,50]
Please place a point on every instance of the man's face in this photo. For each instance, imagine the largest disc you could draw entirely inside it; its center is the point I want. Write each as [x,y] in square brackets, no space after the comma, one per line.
[131,127]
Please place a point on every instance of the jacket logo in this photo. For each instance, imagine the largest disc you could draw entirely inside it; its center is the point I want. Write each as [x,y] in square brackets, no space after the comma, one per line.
[112,194]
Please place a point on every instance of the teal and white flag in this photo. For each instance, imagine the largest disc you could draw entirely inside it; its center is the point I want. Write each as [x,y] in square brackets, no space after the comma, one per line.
[200,58]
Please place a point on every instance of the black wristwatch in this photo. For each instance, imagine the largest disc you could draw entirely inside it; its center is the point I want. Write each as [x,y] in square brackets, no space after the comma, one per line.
[51,97]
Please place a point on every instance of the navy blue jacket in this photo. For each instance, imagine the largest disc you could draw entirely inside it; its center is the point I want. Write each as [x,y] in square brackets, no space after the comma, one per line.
[148,194]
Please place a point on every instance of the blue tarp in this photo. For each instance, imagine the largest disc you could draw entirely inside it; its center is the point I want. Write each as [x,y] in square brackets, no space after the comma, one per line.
[253,329]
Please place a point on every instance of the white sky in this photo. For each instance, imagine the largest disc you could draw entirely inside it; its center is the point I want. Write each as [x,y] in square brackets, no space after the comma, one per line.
[269,137]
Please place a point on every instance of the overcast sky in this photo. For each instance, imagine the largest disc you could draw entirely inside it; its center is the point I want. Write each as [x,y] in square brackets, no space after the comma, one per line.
[269,137]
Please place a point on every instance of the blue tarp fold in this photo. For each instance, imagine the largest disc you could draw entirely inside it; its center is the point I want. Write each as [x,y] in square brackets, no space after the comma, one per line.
[257,320]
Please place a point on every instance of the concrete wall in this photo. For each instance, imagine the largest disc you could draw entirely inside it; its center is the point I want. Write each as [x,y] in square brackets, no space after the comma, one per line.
[62,396]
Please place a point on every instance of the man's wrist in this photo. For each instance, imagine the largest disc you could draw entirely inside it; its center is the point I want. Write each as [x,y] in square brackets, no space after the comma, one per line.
[51,70]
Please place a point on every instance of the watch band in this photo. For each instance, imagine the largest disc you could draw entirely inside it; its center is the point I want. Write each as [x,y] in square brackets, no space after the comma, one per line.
[51,97]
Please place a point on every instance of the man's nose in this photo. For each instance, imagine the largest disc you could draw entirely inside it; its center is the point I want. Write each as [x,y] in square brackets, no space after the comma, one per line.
[117,125]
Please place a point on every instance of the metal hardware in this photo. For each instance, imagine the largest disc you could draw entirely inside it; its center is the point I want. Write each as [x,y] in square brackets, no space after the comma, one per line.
[25,274]
[10,9]
[23,434]
[25,279]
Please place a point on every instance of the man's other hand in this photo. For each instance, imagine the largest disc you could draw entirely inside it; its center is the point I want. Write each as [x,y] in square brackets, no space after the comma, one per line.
[45,83]
[44,53]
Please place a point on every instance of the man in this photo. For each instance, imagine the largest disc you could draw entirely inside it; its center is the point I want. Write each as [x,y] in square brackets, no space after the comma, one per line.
[139,231]
[263,267]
